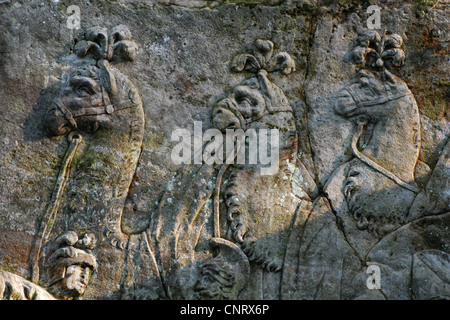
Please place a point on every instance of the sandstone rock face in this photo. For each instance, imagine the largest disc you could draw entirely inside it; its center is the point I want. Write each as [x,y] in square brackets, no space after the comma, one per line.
[224,150]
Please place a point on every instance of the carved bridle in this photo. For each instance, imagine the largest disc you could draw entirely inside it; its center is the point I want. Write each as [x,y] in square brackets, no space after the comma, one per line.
[74,138]
[361,123]
[51,211]
[93,111]
[382,100]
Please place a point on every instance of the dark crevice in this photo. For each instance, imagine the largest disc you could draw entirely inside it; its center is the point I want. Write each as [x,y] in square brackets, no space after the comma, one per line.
[313,28]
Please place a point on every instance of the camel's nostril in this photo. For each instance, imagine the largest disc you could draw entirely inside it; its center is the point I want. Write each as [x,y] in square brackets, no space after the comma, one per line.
[224,119]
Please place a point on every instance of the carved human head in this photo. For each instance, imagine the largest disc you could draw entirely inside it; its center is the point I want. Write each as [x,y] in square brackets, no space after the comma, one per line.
[217,281]
[224,275]
[67,264]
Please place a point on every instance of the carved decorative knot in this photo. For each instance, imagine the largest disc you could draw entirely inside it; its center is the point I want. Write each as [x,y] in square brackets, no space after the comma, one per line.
[115,45]
[373,50]
[263,59]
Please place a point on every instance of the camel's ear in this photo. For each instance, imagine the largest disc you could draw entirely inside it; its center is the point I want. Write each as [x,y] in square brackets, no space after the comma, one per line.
[267,89]
[265,84]
[107,77]
[275,99]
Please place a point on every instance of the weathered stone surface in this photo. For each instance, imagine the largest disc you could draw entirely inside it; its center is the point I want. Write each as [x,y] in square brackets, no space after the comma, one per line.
[94,206]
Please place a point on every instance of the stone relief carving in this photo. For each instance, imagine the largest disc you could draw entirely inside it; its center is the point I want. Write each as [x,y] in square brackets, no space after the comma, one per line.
[66,266]
[386,120]
[202,201]
[258,103]
[99,110]
[68,263]
[97,96]
[225,275]
[224,231]
[374,194]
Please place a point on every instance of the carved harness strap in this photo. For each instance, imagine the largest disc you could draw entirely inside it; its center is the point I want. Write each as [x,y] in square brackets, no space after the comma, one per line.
[384,99]
[231,105]
[51,211]
[375,165]
[360,127]
[94,111]
[66,112]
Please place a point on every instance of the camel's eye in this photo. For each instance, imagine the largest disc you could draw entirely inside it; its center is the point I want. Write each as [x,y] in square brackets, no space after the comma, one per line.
[246,99]
[253,84]
[84,91]
[239,96]
[82,86]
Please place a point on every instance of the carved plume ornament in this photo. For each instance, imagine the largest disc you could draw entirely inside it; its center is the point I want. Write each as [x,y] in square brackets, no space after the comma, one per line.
[375,51]
[115,45]
[263,59]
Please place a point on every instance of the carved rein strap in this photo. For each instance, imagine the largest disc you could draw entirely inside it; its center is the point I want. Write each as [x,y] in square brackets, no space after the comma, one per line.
[375,165]
[369,103]
[107,109]
[360,128]
[51,211]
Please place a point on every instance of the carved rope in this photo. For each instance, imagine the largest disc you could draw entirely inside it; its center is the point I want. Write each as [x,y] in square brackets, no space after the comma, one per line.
[374,165]
[51,211]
